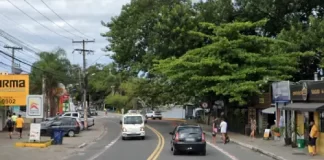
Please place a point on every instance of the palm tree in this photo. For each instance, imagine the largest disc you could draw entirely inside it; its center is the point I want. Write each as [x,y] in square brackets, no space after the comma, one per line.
[55,68]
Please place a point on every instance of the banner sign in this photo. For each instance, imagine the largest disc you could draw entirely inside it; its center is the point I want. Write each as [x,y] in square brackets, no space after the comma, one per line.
[34,133]
[14,89]
[281,91]
[34,106]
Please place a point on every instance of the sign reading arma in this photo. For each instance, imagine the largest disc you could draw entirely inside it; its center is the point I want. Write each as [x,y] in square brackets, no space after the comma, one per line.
[14,89]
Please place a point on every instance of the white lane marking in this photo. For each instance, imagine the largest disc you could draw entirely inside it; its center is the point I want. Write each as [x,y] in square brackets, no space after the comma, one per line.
[223,151]
[105,149]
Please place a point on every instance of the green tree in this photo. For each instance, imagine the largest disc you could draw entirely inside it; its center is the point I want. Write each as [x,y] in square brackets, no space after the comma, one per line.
[234,65]
[55,68]
[146,30]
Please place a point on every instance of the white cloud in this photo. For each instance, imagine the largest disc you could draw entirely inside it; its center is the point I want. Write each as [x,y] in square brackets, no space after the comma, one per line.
[85,15]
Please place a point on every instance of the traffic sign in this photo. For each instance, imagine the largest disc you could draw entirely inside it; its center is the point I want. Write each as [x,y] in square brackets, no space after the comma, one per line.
[204,105]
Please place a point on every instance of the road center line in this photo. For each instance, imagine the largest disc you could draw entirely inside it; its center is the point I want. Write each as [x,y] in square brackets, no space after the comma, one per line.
[160,145]
[223,151]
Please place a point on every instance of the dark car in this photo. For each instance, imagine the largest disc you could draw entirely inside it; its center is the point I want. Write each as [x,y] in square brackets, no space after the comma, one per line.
[188,138]
[70,126]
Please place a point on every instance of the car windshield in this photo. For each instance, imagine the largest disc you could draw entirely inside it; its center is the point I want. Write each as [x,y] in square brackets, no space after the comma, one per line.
[133,120]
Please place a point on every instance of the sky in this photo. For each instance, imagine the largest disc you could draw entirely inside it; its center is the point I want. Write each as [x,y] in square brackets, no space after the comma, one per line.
[39,33]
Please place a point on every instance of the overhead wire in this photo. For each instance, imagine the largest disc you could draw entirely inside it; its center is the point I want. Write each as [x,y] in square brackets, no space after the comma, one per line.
[50,19]
[17,50]
[21,26]
[37,21]
[65,20]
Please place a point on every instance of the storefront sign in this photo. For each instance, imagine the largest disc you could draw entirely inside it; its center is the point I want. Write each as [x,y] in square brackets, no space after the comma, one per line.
[14,89]
[34,106]
[308,91]
[281,91]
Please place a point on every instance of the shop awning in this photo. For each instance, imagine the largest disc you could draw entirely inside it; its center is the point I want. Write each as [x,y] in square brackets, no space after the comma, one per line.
[308,107]
[270,110]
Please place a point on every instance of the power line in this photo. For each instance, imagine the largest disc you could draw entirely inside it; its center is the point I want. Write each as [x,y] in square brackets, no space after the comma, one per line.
[9,19]
[50,19]
[37,21]
[64,20]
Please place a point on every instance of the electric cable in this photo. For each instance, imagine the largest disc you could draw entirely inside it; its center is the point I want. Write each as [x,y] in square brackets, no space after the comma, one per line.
[65,20]
[50,19]
[37,21]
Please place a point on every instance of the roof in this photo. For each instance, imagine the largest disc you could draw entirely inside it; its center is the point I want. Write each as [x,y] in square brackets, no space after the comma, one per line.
[188,125]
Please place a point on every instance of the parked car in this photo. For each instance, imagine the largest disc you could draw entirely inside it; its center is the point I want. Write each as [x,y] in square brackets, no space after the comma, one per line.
[93,112]
[70,127]
[153,115]
[188,138]
[80,116]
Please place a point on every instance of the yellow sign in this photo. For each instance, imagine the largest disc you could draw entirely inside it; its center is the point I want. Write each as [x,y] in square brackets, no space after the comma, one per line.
[14,89]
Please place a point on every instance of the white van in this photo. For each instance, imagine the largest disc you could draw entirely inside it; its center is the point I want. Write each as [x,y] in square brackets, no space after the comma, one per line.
[133,125]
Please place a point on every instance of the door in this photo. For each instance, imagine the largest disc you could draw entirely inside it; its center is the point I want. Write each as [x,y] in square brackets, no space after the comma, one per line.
[309,116]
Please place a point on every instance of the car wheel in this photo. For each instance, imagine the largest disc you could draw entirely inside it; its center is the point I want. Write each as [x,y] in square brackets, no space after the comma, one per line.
[174,151]
[123,138]
[203,153]
[153,118]
[171,148]
[143,137]
[71,134]
[160,118]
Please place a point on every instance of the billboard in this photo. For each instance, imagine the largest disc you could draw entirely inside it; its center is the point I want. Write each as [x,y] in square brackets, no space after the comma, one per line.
[34,106]
[14,89]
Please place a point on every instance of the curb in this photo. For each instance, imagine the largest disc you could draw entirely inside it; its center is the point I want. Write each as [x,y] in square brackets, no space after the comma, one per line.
[255,149]
[174,119]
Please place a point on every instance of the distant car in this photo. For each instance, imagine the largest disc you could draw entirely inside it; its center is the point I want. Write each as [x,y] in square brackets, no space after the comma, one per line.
[93,112]
[188,138]
[133,125]
[69,125]
[153,115]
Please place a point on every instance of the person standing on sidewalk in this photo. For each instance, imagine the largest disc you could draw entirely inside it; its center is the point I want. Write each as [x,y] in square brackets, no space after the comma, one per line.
[14,118]
[313,136]
[215,125]
[10,126]
[223,126]
[253,128]
[19,125]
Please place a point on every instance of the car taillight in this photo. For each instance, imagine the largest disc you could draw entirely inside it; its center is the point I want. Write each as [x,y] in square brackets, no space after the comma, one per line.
[176,137]
[203,138]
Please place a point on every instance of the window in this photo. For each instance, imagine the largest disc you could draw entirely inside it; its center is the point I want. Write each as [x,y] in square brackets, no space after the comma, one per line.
[321,121]
[68,114]
[133,120]
[75,115]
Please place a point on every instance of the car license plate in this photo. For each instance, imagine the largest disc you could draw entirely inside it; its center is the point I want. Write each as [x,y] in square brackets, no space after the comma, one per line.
[190,139]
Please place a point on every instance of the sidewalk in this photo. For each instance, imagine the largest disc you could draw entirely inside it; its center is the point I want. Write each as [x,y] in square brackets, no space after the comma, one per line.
[271,148]
[70,145]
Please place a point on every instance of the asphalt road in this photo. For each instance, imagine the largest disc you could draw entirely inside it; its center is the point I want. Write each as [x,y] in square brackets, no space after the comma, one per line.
[112,147]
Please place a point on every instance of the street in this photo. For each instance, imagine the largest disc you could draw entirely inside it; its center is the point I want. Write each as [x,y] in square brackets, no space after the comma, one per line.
[112,147]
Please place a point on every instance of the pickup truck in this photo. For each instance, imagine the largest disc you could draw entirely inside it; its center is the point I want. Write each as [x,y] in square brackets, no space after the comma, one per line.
[81,116]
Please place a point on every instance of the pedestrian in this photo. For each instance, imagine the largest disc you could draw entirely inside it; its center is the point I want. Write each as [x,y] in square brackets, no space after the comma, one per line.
[214,129]
[19,125]
[10,125]
[253,128]
[14,118]
[312,136]
[223,126]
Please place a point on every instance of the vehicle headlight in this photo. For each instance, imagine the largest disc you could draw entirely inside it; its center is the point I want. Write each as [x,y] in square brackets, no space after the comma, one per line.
[142,128]
[124,130]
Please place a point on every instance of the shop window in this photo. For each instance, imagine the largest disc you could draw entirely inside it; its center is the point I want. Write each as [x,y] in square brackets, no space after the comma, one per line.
[322,122]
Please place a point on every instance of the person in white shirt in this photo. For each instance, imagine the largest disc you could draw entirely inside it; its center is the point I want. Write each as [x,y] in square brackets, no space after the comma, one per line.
[223,126]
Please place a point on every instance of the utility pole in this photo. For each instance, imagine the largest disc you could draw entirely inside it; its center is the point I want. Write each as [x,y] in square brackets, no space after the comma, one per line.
[13,55]
[44,98]
[83,50]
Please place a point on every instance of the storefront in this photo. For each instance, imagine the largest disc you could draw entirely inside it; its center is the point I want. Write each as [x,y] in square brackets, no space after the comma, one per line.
[308,105]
